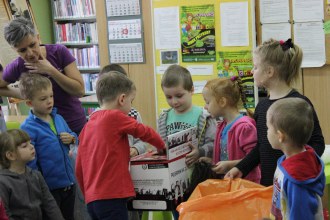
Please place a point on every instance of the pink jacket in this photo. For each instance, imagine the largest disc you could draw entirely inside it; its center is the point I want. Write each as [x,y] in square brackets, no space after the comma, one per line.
[242,138]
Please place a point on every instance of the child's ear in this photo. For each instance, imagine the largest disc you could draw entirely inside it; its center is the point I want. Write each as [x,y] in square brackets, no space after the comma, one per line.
[280,136]
[29,103]
[192,90]
[270,71]
[222,102]
[121,99]
[11,155]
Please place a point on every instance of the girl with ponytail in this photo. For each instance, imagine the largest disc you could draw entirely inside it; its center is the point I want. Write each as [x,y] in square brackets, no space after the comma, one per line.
[236,134]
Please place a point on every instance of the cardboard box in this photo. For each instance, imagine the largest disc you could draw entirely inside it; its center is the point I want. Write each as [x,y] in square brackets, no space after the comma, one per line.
[161,180]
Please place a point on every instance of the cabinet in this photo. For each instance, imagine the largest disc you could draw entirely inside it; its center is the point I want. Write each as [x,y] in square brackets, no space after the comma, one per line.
[75,26]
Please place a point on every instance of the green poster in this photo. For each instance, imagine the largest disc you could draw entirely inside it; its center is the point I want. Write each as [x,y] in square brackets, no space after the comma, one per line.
[238,64]
[197,33]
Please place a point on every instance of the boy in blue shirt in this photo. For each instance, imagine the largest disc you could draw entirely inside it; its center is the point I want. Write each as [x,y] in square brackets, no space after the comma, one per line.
[51,137]
[299,177]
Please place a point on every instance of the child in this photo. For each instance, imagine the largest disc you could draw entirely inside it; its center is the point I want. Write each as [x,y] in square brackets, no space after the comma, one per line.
[276,66]
[137,146]
[51,138]
[102,166]
[178,89]
[23,191]
[236,134]
[299,178]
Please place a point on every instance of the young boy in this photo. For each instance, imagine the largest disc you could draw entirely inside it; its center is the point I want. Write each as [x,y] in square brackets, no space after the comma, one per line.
[51,137]
[299,177]
[23,191]
[102,166]
[178,89]
[137,146]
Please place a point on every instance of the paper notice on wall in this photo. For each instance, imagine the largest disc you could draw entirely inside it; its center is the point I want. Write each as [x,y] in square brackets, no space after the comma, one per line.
[234,24]
[307,10]
[279,31]
[310,37]
[274,11]
[166,26]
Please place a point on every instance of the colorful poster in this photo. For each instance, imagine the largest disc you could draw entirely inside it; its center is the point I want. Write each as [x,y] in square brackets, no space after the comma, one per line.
[197,33]
[240,64]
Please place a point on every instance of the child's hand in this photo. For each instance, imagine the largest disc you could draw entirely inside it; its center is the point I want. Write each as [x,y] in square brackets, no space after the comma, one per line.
[205,159]
[222,167]
[133,152]
[193,156]
[66,138]
[234,173]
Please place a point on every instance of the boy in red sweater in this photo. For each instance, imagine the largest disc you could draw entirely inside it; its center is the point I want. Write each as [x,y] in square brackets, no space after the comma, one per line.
[102,166]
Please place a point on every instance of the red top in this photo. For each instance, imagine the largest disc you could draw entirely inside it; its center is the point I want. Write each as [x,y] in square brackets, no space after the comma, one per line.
[102,166]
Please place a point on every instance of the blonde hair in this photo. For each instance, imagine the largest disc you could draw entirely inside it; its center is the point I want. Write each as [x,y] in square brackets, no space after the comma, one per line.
[30,84]
[111,84]
[285,57]
[231,89]
[294,117]
[9,141]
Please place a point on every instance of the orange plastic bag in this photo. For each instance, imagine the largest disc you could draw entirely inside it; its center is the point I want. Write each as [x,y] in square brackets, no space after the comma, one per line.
[227,199]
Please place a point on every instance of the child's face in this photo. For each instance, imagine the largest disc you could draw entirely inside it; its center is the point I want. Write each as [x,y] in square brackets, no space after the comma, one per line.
[178,98]
[26,152]
[258,72]
[43,102]
[272,134]
[211,104]
[127,104]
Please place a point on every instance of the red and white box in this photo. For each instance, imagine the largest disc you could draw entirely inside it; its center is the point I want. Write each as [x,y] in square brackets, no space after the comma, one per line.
[161,180]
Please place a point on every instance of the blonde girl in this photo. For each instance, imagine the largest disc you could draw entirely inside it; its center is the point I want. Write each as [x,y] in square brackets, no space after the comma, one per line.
[276,67]
[236,135]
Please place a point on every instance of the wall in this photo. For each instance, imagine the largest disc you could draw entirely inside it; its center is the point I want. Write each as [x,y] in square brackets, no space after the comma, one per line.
[141,74]
[43,17]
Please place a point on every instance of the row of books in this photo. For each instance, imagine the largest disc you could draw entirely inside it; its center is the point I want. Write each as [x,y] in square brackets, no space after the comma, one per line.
[90,82]
[76,33]
[74,8]
[86,57]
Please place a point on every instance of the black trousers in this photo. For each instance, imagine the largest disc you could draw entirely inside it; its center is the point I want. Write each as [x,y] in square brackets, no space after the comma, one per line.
[65,198]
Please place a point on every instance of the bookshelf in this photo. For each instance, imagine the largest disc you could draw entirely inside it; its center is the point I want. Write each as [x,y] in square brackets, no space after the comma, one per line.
[75,26]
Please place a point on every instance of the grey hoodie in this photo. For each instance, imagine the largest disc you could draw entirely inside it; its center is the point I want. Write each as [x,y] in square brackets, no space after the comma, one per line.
[27,197]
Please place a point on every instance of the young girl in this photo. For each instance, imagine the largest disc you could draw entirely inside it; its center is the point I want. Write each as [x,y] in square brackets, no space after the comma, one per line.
[23,191]
[276,66]
[236,134]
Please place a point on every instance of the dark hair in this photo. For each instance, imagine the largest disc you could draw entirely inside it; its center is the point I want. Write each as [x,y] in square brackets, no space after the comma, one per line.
[294,117]
[231,89]
[111,84]
[1,67]
[17,30]
[9,141]
[176,75]
[30,84]
[113,67]
[285,57]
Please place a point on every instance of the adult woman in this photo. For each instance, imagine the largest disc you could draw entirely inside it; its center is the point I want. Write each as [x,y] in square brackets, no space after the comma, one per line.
[53,61]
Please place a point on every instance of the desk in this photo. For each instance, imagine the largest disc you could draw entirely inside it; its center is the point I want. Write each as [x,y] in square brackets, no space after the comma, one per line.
[89,101]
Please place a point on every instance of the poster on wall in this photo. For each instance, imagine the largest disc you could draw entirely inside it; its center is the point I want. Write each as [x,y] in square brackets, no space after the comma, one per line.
[197,33]
[238,63]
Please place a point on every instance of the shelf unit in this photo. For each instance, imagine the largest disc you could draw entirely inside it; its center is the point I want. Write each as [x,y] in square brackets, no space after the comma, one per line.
[75,26]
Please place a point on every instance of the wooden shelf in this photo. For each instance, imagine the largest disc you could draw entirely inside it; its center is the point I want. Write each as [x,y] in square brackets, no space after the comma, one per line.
[89,69]
[75,19]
